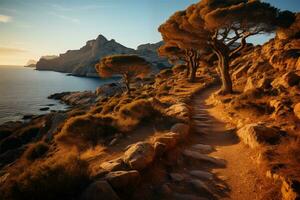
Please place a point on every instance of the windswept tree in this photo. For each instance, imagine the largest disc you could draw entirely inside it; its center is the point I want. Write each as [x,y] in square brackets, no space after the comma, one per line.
[221,24]
[188,45]
[129,66]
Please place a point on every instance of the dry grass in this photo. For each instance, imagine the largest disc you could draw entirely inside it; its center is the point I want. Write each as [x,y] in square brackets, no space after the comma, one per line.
[59,178]
[89,128]
[36,150]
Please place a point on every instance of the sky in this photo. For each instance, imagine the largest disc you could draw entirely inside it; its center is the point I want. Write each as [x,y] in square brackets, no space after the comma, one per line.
[30,29]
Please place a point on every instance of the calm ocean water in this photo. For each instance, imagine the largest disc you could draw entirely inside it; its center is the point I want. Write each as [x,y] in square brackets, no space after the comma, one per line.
[25,90]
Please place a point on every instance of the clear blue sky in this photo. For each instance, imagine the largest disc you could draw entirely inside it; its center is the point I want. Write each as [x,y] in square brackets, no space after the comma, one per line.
[32,28]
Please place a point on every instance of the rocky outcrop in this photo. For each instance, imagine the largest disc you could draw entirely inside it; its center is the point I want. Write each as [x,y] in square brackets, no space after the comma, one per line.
[81,62]
[257,135]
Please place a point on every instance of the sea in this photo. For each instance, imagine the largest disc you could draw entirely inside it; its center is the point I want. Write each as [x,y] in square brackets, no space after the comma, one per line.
[24,91]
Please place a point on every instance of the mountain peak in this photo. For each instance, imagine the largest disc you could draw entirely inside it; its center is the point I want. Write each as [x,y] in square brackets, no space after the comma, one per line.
[101,38]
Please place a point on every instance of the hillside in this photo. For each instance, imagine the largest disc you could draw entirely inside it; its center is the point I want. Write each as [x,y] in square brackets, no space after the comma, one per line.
[81,62]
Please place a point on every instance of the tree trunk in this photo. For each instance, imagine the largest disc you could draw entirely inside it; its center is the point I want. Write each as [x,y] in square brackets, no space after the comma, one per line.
[127,83]
[225,76]
[193,74]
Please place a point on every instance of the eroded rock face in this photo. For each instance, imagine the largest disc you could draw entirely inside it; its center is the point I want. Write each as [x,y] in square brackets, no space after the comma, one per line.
[290,190]
[82,62]
[139,155]
[256,135]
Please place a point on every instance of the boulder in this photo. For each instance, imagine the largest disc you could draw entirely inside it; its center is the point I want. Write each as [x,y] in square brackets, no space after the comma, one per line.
[179,111]
[159,149]
[109,90]
[113,165]
[99,190]
[256,135]
[168,139]
[181,129]
[139,155]
[201,157]
[253,83]
[121,179]
[287,80]
[297,110]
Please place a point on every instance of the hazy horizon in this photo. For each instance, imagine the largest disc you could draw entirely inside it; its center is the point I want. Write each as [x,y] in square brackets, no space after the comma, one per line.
[35,28]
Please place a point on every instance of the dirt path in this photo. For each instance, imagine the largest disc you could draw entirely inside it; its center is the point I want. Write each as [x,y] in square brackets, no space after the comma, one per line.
[241,175]
[213,164]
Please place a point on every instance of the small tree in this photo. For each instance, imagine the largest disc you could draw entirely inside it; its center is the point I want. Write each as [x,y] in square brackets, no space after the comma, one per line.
[129,66]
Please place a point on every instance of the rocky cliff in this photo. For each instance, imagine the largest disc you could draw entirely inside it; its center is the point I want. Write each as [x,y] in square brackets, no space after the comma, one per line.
[81,62]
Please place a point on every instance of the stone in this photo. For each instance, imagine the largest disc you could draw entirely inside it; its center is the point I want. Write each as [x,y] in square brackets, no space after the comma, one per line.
[201,174]
[257,134]
[179,110]
[202,157]
[200,186]
[181,129]
[290,190]
[139,155]
[121,179]
[44,109]
[287,80]
[159,149]
[113,165]
[203,148]
[297,110]
[177,177]
[99,190]
[168,139]
[179,196]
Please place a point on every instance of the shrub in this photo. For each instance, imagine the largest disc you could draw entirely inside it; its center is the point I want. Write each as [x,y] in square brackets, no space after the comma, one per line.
[179,68]
[36,150]
[88,127]
[165,73]
[60,178]
[131,114]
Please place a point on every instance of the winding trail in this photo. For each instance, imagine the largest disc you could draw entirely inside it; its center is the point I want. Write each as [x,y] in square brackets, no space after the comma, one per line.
[241,175]
[213,164]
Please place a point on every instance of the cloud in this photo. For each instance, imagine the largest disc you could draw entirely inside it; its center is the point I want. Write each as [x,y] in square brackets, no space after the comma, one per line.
[10,51]
[5,19]
[64,17]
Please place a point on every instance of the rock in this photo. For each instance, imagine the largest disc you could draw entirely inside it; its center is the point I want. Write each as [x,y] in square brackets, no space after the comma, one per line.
[27,117]
[44,109]
[202,157]
[58,96]
[56,121]
[168,139]
[181,129]
[3,178]
[178,196]
[109,90]
[256,135]
[179,110]
[200,186]
[159,149]
[121,179]
[297,110]
[201,174]
[203,148]
[99,190]
[241,71]
[253,83]
[139,155]
[290,190]
[177,177]
[113,165]
[287,80]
